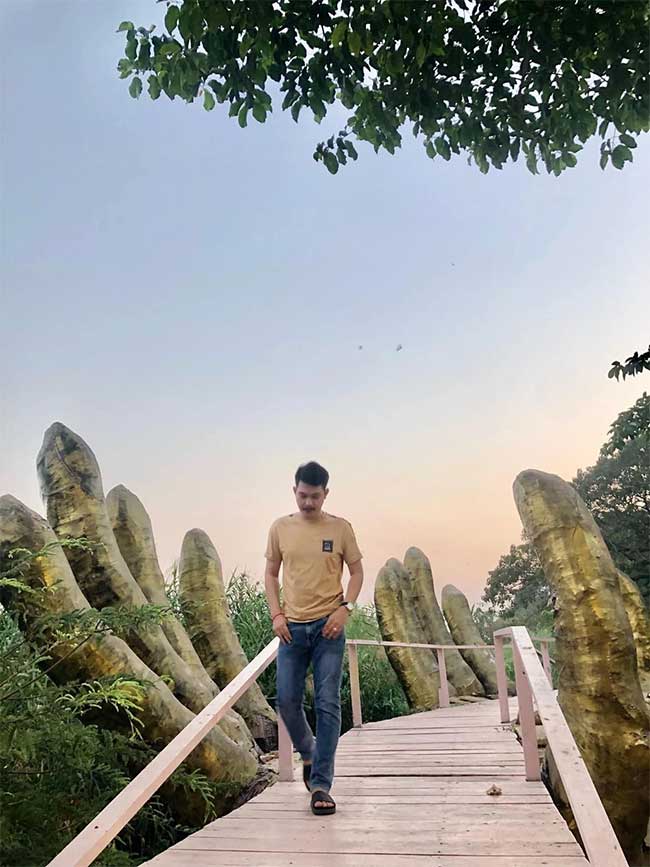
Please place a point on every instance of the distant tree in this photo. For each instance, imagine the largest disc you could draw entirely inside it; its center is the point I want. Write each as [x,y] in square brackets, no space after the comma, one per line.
[517,582]
[488,78]
[617,492]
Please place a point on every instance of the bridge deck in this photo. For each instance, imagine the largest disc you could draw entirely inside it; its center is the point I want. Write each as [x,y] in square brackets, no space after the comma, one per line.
[410,792]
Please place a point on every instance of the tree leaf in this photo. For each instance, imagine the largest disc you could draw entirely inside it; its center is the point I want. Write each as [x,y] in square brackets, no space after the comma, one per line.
[627,140]
[259,113]
[351,149]
[125,25]
[171,18]
[208,100]
[338,34]
[154,87]
[603,159]
[421,54]
[331,162]
[442,146]
[135,88]
[168,49]
[131,49]
[621,155]
[354,44]
[242,117]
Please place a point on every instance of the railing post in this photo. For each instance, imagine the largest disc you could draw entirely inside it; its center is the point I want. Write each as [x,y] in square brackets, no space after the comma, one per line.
[502,680]
[355,691]
[285,752]
[526,717]
[546,660]
[443,692]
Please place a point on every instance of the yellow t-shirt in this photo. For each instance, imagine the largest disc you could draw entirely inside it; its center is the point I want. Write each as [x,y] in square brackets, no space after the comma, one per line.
[312,555]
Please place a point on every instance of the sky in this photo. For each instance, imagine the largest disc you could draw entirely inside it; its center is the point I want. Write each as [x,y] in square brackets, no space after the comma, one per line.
[190,297]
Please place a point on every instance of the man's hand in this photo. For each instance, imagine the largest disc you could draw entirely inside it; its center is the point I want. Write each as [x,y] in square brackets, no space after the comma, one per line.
[281,629]
[335,623]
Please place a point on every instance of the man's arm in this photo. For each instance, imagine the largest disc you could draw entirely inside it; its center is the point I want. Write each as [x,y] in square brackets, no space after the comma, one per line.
[337,620]
[356,581]
[272,590]
[272,586]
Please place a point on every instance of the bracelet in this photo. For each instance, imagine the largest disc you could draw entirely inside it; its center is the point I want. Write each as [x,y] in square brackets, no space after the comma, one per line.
[280,613]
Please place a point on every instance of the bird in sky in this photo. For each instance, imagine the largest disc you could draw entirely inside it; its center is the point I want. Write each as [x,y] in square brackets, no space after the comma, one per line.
[399,347]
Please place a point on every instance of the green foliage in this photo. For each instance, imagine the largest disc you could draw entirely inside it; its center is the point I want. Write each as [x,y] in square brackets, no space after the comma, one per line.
[517,584]
[617,492]
[65,751]
[490,79]
[636,363]
[249,612]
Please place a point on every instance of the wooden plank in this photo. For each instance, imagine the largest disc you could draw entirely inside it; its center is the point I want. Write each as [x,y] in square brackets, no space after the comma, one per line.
[193,858]
[391,842]
[407,783]
[428,746]
[389,768]
[425,819]
[409,739]
[488,806]
[433,757]
[434,799]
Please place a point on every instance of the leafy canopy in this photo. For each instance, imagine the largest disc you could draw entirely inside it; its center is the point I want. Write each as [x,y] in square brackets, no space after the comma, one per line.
[636,363]
[617,492]
[490,79]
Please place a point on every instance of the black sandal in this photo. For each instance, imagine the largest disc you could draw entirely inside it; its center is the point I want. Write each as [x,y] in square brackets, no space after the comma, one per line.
[319,795]
[306,776]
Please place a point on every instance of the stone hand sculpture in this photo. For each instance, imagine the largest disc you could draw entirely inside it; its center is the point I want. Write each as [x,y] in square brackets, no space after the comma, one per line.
[434,628]
[599,689]
[416,668]
[105,655]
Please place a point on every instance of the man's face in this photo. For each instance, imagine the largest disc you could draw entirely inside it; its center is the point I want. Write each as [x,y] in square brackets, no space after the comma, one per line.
[310,499]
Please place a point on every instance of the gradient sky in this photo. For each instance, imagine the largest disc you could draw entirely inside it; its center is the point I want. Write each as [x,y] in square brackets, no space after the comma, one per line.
[189,297]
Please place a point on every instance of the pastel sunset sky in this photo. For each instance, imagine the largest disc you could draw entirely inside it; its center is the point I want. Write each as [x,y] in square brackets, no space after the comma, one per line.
[190,298]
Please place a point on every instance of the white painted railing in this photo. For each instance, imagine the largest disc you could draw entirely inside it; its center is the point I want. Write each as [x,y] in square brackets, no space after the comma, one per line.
[534,689]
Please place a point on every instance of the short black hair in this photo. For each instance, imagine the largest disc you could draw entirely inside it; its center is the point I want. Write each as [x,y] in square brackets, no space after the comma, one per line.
[312,473]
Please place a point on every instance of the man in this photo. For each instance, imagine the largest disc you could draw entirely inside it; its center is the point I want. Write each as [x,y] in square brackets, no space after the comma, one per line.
[312,546]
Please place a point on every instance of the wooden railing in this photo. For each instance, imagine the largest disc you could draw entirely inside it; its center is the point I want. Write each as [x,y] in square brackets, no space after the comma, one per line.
[534,689]
[443,697]
[533,682]
[96,836]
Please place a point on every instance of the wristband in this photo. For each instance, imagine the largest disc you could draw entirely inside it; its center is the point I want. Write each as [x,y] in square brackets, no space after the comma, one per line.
[279,614]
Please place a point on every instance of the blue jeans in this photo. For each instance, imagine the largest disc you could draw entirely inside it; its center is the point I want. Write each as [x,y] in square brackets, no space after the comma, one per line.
[326,655]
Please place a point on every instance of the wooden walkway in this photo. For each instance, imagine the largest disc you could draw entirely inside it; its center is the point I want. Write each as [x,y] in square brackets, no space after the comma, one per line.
[410,792]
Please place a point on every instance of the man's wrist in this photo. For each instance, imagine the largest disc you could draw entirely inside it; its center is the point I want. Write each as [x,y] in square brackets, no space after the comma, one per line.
[279,614]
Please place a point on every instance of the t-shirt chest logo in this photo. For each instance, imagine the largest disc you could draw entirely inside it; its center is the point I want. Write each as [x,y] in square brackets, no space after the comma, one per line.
[328,545]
